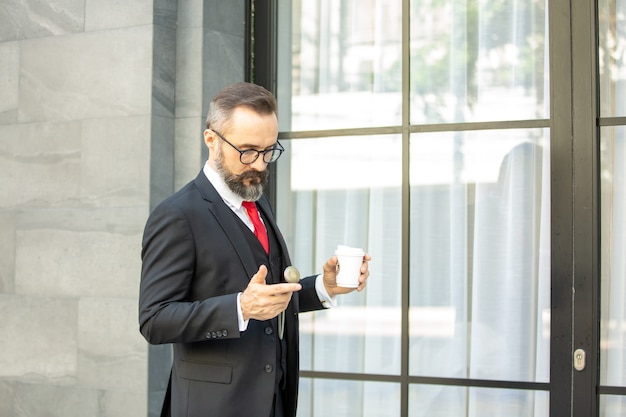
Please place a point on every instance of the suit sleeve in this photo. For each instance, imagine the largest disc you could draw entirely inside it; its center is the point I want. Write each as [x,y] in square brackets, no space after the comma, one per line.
[308,298]
[166,314]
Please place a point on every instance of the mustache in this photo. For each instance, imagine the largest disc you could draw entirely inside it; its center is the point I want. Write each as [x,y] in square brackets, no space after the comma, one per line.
[253,176]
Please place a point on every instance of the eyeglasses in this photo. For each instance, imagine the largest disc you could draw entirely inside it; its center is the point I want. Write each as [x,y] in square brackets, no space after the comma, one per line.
[248,156]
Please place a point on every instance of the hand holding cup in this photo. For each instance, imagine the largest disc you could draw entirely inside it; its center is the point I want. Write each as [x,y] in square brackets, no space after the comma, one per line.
[346,271]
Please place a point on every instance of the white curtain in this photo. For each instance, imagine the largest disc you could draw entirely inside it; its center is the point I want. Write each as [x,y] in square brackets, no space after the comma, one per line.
[612,68]
[480,252]
[613,235]
[479,200]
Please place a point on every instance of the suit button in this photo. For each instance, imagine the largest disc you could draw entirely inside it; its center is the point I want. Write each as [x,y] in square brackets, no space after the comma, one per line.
[268,368]
[219,333]
[224,332]
[269,330]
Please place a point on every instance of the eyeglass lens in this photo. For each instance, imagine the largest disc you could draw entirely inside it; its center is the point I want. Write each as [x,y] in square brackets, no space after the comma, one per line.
[251,155]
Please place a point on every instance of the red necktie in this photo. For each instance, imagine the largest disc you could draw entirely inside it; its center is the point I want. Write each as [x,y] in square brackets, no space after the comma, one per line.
[259,229]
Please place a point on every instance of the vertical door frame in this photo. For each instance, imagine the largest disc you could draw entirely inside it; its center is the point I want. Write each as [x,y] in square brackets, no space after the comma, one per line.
[575,207]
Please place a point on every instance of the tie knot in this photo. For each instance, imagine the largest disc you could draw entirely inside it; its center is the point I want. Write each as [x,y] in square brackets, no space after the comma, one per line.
[249,205]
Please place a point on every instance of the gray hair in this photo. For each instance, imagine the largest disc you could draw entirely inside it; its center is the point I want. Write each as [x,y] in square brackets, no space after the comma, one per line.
[236,95]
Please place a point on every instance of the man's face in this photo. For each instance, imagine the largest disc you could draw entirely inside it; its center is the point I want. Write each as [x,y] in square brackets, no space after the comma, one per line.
[248,130]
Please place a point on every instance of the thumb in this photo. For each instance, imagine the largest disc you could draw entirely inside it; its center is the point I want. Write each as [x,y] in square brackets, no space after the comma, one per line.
[259,277]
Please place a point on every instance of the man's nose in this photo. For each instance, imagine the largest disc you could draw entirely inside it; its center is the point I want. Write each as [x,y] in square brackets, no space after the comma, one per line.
[260,165]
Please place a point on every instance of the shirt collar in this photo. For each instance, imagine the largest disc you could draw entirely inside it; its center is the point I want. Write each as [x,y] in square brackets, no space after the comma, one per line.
[221,187]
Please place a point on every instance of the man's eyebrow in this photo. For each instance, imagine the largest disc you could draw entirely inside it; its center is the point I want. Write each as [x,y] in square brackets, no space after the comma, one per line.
[247,146]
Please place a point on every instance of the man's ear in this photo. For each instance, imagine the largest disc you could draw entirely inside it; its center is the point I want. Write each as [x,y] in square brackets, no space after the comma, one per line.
[209,138]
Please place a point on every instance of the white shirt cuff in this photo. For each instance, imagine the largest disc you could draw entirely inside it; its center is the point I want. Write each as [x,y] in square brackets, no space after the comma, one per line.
[243,324]
[327,300]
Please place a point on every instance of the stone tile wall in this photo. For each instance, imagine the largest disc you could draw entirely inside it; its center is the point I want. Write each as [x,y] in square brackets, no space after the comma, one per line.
[102,105]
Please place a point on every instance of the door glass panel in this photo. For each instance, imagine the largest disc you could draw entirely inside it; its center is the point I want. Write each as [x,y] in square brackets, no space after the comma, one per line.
[448,401]
[612,405]
[612,59]
[480,251]
[340,398]
[470,57]
[340,64]
[346,190]
[613,262]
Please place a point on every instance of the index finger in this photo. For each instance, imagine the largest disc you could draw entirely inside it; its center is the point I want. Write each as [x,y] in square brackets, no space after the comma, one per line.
[283,288]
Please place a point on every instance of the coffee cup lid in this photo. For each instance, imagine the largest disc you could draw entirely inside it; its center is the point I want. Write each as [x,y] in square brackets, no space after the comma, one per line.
[347,250]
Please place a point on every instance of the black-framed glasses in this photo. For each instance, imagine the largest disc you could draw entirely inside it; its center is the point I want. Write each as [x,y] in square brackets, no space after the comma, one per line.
[248,156]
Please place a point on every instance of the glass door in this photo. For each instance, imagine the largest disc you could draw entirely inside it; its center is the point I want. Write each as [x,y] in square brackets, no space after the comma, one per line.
[457,141]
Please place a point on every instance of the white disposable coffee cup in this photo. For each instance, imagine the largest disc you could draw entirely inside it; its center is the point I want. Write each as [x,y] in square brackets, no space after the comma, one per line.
[349,266]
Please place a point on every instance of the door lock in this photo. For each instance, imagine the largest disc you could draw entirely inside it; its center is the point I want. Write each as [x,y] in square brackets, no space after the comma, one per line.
[579,359]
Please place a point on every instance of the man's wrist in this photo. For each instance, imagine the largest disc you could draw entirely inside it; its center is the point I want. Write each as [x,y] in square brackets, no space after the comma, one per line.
[326,299]
[243,324]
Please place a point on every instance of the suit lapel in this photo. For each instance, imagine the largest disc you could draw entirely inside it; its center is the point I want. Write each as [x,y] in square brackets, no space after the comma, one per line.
[227,221]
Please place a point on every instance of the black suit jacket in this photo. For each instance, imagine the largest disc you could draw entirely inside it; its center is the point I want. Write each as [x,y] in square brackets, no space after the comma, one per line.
[194,262]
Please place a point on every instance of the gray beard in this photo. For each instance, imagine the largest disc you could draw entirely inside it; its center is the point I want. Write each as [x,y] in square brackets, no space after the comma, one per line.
[237,183]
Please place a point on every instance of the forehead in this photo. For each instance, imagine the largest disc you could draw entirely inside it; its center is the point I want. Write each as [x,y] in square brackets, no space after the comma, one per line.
[252,127]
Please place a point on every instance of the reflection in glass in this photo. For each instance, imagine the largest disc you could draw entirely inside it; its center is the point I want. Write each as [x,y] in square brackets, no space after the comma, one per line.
[613,261]
[612,58]
[448,401]
[346,190]
[340,398]
[479,263]
[470,57]
[340,64]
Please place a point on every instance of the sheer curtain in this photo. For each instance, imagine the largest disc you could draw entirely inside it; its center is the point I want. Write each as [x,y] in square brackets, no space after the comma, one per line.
[613,331]
[612,64]
[479,200]
[480,253]
[343,193]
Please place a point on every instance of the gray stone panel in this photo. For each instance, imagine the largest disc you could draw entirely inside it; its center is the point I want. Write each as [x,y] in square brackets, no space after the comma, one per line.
[41,335]
[166,13]
[123,404]
[7,249]
[223,46]
[89,75]
[190,14]
[9,136]
[162,160]
[188,150]
[40,164]
[6,400]
[37,400]
[108,14]
[9,77]
[189,66]
[114,220]
[25,19]
[69,263]
[111,351]
[164,72]
[226,17]
[114,161]
[224,54]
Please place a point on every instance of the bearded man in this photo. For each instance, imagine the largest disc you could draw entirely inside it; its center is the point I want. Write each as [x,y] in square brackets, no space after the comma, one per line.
[212,280]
